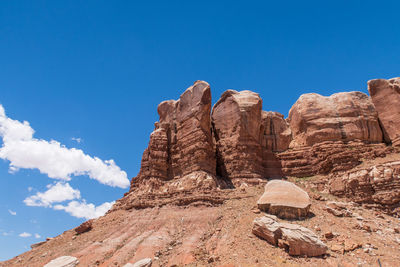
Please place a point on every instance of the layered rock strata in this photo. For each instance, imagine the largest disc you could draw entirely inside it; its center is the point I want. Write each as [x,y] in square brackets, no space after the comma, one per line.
[385,95]
[341,117]
[377,186]
[329,157]
[182,140]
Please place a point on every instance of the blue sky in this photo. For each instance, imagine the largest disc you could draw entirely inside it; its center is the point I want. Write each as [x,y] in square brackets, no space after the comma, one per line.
[95,71]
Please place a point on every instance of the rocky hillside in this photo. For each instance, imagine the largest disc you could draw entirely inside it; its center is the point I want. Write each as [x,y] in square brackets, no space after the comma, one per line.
[199,198]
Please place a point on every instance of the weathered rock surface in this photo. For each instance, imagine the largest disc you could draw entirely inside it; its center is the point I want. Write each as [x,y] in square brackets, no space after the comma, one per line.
[84,227]
[377,186]
[385,95]
[236,118]
[277,134]
[341,117]
[196,187]
[329,157]
[63,261]
[297,239]
[182,140]
[285,200]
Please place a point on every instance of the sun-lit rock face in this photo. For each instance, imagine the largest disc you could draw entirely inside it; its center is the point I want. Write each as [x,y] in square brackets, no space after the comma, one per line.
[385,95]
[237,123]
[340,117]
[182,140]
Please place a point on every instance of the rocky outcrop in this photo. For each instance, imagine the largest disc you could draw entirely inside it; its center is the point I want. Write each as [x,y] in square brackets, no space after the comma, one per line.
[193,151]
[340,117]
[297,239]
[329,157]
[84,227]
[376,186]
[63,261]
[236,119]
[385,95]
[285,200]
[182,140]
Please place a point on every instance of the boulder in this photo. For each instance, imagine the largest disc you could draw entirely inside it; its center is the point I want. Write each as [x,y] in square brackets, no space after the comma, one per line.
[340,117]
[297,240]
[236,119]
[284,199]
[38,244]
[385,95]
[84,227]
[63,261]
[142,263]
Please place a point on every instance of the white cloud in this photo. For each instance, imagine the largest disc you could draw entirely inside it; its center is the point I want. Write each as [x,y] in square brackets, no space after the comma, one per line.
[58,192]
[37,236]
[12,212]
[77,139]
[51,157]
[83,210]
[25,234]
[30,188]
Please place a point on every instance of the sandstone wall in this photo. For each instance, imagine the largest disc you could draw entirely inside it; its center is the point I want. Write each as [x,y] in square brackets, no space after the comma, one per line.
[340,117]
[385,95]
[237,140]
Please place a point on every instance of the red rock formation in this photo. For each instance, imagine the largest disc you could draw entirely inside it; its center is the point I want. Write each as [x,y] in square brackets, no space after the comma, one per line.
[277,134]
[340,117]
[237,125]
[328,157]
[182,140]
[385,95]
[377,185]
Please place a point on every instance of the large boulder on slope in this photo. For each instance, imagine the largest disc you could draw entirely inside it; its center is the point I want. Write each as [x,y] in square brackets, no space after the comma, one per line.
[297,239]
[285,200]
[385,95]
[63,261]
[340,117]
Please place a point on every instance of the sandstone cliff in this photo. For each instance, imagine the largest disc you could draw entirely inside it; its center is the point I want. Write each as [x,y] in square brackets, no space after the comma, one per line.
[385,95]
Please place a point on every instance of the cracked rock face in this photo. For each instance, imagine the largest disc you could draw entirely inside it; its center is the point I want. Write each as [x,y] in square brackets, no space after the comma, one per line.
[285,200]
[339,117]
[385,95]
